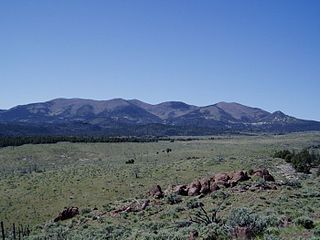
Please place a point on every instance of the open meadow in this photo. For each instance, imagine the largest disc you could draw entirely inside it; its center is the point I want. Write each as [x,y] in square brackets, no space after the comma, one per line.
[39,181]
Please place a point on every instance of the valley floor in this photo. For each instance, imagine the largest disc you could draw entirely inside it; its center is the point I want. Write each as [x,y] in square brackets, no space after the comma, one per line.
[38,181]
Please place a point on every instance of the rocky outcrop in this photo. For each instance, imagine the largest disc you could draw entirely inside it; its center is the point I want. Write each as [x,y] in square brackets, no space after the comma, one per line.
[220,180]
[67,213]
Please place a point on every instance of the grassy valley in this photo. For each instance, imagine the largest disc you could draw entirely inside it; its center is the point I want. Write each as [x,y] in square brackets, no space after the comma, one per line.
[39,181]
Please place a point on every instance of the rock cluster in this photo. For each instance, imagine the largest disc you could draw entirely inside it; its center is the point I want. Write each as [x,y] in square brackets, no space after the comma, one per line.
[210,184]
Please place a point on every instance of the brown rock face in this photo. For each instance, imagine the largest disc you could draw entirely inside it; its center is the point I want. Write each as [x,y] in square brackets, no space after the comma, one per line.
[238,176]
[222,179]
[205,185]
[194,188]
[213,186]
[156,192]
[181,190]
[67,213]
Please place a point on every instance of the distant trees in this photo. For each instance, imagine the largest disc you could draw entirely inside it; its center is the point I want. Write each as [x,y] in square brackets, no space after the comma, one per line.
[6,141]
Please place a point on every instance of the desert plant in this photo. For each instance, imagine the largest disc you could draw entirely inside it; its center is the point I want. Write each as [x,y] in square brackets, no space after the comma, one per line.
[193,203]
[203,217]
[243,218]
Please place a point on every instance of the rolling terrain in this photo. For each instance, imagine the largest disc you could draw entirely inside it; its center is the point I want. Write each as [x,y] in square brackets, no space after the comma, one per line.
[134,117]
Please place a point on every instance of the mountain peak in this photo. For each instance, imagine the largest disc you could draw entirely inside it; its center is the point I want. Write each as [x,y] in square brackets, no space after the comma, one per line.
[242,112]
[117,114]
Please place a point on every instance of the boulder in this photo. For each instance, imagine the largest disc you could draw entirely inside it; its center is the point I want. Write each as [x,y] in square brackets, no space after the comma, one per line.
[213,185]
[156,192]
[181,190]
[222,179]
[238,176]
[194,188]
[205,185]
[67,213]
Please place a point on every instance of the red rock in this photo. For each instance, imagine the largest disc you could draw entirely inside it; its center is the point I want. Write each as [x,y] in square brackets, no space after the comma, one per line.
[194,188]
[213,185]
[222,179]
[238,177]
[205,185]
[156,192]
[181,190]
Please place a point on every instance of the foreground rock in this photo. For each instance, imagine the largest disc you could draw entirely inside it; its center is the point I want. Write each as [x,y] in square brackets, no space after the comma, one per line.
[67,213]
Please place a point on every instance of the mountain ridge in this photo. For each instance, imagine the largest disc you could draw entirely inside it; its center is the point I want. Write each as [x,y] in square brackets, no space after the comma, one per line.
[115,114]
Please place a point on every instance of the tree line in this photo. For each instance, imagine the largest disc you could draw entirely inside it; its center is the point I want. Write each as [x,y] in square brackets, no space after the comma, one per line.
[6,141]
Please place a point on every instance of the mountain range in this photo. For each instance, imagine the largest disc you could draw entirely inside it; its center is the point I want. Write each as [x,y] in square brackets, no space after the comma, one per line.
[134,117]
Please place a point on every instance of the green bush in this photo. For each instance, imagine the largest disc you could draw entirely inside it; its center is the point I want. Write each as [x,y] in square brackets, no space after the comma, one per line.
[306,222]
[173,199]
[193,203]
[243,217]
[293,183]
[85,211]
[284,154]
[302,161]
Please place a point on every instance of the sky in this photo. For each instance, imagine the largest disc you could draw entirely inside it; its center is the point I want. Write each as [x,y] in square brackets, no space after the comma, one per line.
[262,53]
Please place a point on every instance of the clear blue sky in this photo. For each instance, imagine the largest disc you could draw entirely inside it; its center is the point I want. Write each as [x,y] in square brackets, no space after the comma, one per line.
[262,53]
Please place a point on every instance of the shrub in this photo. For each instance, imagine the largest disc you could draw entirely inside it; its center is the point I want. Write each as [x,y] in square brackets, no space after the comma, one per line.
[293,183]
[219,194]
[284,154]
[173,199]
[302,161]
[243,217]
[85,211]
[305,222]
[271,237]
[131,161]
[193,203]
